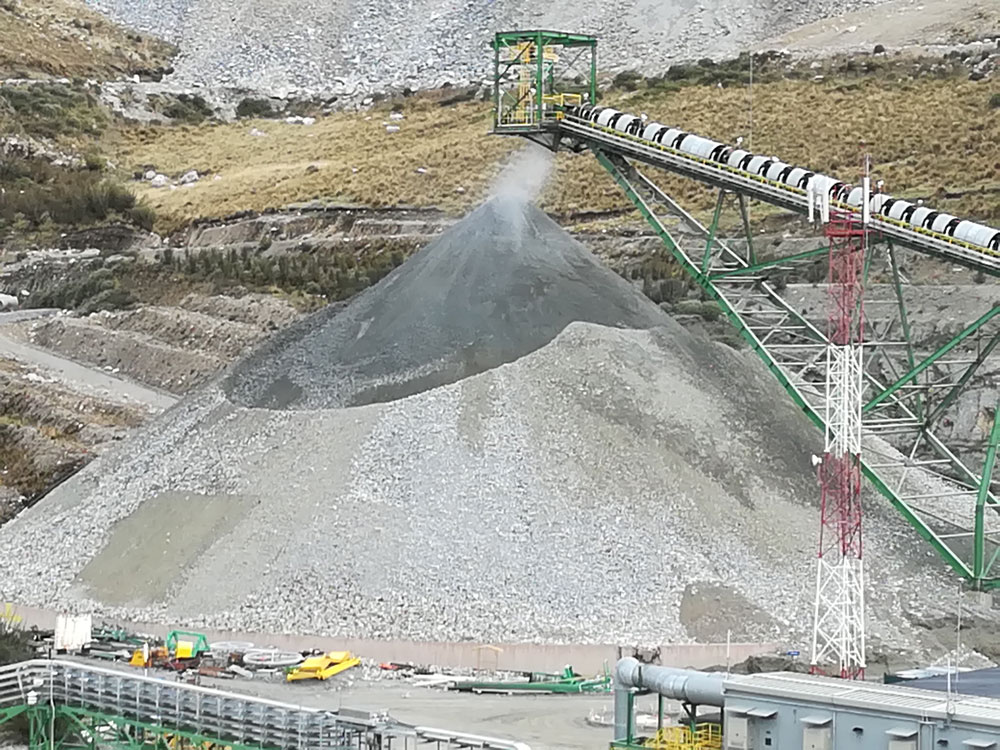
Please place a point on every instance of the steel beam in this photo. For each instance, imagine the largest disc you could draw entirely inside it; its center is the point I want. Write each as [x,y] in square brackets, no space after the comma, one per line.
[941,352]
[768,263]
[625,175]
[707,260]
[745,216]
[984,490]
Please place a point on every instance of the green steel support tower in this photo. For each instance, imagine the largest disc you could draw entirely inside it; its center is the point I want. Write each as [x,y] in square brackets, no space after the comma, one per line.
[940,481]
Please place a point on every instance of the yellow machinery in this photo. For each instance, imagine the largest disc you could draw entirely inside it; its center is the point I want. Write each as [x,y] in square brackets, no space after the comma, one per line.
[705,737]
[323,667]
[149,656]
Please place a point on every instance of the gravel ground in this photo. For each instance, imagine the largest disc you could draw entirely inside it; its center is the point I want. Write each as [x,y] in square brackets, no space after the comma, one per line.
[612,471]
[352,46]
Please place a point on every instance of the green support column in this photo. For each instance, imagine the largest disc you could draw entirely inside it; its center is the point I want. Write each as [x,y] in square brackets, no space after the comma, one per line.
[496,85]
[539,76]
[593,73]
[745,214]
[904,321]
[707,260]
[984,490]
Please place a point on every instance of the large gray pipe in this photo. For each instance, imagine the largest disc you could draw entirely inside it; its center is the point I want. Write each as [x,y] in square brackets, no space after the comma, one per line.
[688,685]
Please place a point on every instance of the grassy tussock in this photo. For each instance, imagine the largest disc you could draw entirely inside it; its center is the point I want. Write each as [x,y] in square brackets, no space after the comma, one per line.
[57,111]
[37,197]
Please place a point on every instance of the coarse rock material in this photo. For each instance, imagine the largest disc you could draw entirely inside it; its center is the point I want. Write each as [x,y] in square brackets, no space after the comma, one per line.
[617,480]
[354,49]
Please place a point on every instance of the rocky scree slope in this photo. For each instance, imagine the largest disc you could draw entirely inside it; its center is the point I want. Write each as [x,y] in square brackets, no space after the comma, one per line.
[625,481]
[276,45]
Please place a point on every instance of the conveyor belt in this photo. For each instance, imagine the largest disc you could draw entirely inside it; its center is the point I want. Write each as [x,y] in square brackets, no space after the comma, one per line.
[794,199]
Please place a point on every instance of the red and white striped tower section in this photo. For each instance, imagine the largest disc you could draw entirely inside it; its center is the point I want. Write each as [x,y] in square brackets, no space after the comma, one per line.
[839,626]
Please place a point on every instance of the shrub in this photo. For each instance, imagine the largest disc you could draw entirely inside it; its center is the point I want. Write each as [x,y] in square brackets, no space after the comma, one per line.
[88,292]
[14,645]
[51,110]
[94,161]
[628,80]
[143,216]
[995,101]
[681,72]
[115,298]
[37,192]
[250,108]
[187,108]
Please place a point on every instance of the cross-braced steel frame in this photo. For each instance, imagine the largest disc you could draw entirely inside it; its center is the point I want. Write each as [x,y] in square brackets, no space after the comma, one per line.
[940,487]
[925,479]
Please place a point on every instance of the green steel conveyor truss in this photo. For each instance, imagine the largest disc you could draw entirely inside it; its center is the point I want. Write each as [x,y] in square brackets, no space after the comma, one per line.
[911,429]
[68,704]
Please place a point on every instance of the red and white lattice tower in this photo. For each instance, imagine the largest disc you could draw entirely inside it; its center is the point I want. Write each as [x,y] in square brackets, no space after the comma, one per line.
[839,626]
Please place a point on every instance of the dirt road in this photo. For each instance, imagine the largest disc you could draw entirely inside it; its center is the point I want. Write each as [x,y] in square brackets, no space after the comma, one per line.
[85,379]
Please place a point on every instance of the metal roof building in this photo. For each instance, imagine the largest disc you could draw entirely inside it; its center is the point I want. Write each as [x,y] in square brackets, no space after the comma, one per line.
[795,711]
[789,711]
[982,682]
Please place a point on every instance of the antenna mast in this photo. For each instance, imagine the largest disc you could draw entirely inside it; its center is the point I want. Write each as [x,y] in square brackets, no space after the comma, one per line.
[839,623]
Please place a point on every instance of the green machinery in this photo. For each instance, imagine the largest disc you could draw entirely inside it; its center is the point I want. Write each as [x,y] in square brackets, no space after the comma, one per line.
[912,382]
[186,644]
[565,682]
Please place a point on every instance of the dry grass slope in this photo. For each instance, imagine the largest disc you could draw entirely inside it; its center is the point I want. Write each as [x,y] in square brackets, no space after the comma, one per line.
[929,137]
[63,38]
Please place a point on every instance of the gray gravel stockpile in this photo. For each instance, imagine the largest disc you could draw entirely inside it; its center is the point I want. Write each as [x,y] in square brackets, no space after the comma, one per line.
[611,485]
[501,283]
[368,45]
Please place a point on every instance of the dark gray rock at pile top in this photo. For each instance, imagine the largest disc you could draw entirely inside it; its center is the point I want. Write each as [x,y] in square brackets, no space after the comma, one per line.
[501,283]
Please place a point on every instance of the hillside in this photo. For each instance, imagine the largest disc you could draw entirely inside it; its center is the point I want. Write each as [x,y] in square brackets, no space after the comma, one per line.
[443,155]
[378,44]
[65,39]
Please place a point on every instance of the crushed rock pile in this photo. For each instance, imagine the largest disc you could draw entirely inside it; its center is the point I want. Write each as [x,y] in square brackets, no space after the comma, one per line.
[614,480]
[500,284]
[360,48]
